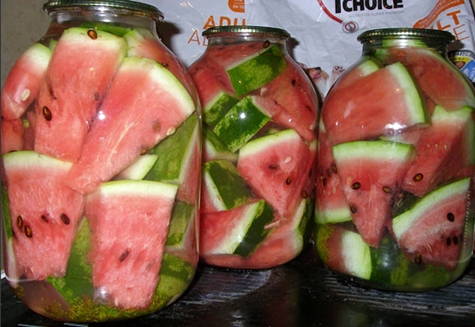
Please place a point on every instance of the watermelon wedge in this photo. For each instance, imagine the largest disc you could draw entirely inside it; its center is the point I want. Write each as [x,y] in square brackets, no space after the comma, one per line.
[431,232]
[366,110]
[45,213]
[273,166]
[23,81]
[75,72]
[371,173]
[129,222]
[109,147]
[364,67]
[443,149]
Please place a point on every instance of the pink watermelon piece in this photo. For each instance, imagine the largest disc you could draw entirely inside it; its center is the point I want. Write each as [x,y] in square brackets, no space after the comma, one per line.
[296,99]
[432,231]
[23,82]
[371,173]
[364,67]
[360,111]
[443,149]
[12,135]
[331,205]
[45,213]
[143,44]
[129,222]
[121,132]
[81,68]
[432,71]
[277,167]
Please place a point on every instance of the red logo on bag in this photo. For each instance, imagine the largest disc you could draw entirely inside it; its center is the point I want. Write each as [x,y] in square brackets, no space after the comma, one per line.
[236,5]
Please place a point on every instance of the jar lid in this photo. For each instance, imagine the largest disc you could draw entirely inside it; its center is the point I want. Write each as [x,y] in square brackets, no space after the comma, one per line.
[246,29]
[126,6]
[406,33]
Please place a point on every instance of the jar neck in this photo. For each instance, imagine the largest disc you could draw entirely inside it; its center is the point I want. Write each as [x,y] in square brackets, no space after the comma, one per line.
[371,45]
[221,39]
[66,18]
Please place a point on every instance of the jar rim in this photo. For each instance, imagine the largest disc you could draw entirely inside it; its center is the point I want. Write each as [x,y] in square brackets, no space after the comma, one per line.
[406,33]
[249,29]
[138,8]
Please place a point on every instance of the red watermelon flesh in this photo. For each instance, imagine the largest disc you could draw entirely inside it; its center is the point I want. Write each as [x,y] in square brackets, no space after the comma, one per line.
[120,132]
[443,149]
[371,173]
[382,102]
[331,205]
[364,67]
[142,43]
[277,168]
[81,68]
[45,213]
[438,78]
[129,222]
[292,91]
[432,231]
[23,81]
[12,135]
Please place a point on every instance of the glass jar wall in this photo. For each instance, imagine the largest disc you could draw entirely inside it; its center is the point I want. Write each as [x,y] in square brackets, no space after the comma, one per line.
[101,152]
[259,129]
[395,186]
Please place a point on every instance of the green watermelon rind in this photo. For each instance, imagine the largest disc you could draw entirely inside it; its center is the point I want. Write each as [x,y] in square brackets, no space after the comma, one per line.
[225,186]
[380,149]
[241,123]
[139,168]
[256,71]
[402,223]
[175,153]
[182,215]
[217,107]
[357,255]
[214,149]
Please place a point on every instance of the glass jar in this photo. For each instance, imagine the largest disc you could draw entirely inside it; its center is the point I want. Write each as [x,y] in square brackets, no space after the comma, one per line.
[101,152]
[259,131]
[395,186]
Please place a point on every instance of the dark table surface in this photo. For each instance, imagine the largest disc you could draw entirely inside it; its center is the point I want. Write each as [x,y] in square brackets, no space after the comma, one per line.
[299,293]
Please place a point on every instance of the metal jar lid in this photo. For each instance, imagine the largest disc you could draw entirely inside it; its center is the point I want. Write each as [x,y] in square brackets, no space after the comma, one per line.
[246,30]
[406,33]
[117,6]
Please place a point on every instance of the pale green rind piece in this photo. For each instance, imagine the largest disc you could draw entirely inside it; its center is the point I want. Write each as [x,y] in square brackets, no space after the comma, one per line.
[368,150]
[138,188]
[226,188]
[403,222]
[257,71]
[356,255]
[139,168]
[333,216]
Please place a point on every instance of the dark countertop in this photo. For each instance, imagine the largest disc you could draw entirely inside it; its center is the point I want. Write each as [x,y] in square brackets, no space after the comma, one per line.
[299,293]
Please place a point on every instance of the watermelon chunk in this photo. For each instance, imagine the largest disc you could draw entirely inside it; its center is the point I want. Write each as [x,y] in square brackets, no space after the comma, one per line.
[365,110]
[431,232]
[23,81]
[75,72]
[274,167]
[129,222]
[364,67]
[371,173]
[238,231]
[432,71]
[45,213]
[120,132]
[443,149]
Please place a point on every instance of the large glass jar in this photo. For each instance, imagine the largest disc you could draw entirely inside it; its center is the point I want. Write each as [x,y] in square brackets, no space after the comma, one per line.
[101,152]
[396,166]
[259,131]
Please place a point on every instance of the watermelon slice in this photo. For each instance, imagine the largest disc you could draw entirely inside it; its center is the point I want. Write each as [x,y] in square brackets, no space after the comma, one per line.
[331,205]
[365,66]
[344,250]
[382,102]
[143,43]
[238,231]
[443,150]
[129,222]
[256,71]
[75,72]
[431,232]
[45,213]
[23,81]
[274,167]
[371,173]
[432,71]
[120,132]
